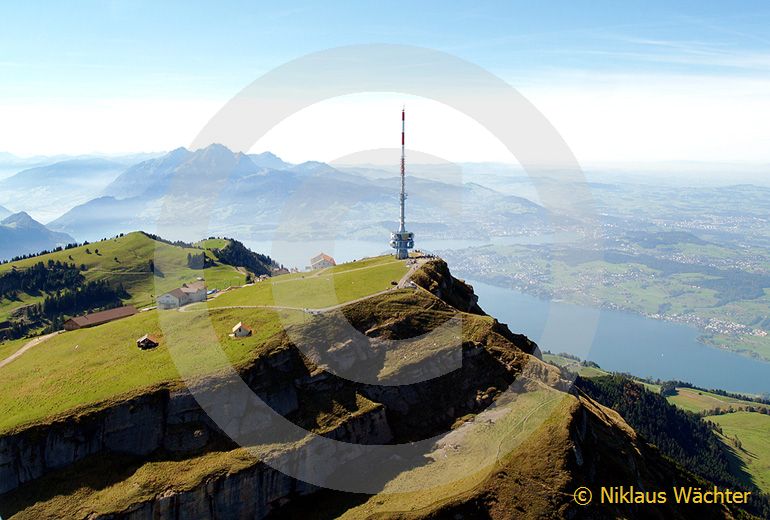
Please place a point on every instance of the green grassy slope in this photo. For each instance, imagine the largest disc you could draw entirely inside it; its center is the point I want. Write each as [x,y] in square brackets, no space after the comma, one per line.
[320,289]
[753,431]
[212,243]
[9,347]
[700,401]
[87,366]
[465,457]
[690,399]
[126,260]
[133,482]
[574,366]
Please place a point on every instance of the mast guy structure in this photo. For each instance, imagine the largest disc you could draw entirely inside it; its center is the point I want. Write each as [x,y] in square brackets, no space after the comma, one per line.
[402,240]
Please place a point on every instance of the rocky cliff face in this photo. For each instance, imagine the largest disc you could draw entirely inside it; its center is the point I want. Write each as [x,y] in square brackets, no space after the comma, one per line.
[435,277]
[165,419]
[253,492]
[167,424]
[168,420]
[585,445]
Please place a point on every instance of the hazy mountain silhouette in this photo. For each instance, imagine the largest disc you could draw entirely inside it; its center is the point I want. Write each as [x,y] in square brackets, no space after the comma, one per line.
[21,234]
[304,201]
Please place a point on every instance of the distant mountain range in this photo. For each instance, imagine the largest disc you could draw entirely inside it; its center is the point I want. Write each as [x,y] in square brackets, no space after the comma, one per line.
[51,189]
[269,160]
[254,197]
[72,171]
[152,178]
[15,164]
[20,234]
[259,195]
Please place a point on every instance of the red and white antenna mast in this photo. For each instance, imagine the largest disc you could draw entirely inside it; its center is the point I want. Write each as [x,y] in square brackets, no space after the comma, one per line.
[402,240]
[402,226]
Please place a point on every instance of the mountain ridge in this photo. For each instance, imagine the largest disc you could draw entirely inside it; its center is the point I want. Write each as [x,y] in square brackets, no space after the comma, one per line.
[188,467]
[50,190]
[312,200]
[20,234]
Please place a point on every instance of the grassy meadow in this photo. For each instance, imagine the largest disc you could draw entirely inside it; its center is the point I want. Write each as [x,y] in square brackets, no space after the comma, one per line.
[9,347]
[126,260]
[88,366]
[701,401]
[319,289]
[753,431]
[467,456]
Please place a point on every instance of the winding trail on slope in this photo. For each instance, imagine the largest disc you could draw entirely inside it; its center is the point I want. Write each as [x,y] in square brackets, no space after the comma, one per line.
[34,342]
[417,262]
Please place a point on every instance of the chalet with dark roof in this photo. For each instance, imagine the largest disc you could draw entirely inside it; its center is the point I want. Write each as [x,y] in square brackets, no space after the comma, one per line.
[147,342]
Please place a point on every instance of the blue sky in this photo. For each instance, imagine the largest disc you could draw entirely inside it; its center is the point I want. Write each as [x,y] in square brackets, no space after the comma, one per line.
[57,57]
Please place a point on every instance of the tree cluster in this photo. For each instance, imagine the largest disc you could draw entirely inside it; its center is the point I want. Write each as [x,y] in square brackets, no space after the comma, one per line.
[680,435]
[199,261]
[236,254]
[53,276]
[91,295]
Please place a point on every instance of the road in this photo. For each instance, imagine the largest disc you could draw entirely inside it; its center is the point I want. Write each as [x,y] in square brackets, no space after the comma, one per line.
[32,343]
[404,282]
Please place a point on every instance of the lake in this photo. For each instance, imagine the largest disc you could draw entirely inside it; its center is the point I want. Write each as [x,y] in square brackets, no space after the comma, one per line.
[616,340]
[624,342]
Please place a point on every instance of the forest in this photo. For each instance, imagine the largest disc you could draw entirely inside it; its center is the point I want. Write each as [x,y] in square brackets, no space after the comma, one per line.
[40,277]
[680,435]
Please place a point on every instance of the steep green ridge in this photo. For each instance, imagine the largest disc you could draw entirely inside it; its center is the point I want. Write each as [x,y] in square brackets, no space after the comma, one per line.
[576,366]
[691,399]
[523,456]
[465,458]
[126,260]
[576,442]
[89,366]
[742,421]
[752,432]
[680,435]
[493,362]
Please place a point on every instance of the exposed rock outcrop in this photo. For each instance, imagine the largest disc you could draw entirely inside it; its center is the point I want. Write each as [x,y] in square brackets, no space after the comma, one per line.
[167,422]
[585,445]
[167,419]
[435,277]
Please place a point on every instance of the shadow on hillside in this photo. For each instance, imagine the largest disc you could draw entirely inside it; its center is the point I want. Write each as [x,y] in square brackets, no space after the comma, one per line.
[738,466]
[89,475]
[321,505]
